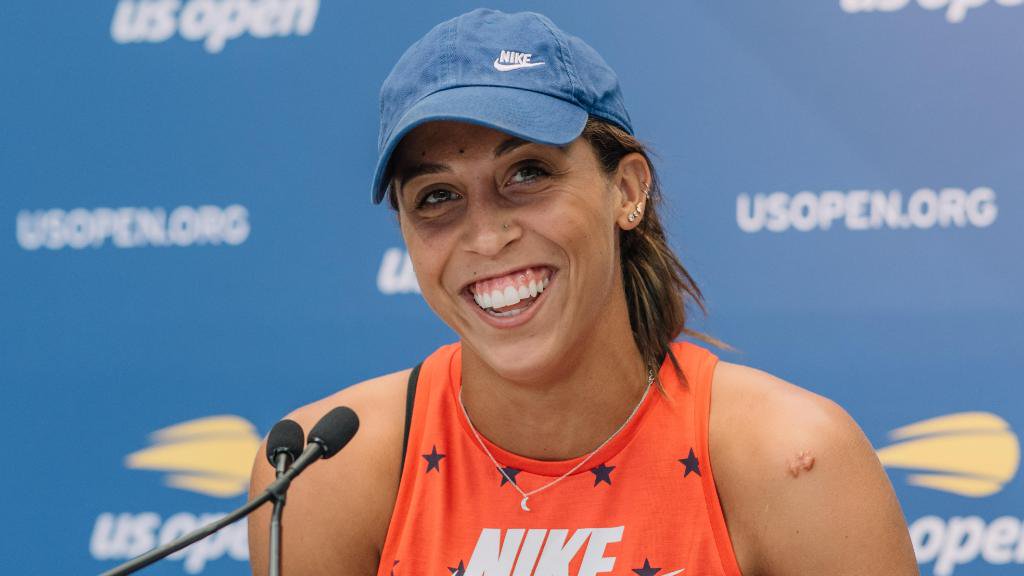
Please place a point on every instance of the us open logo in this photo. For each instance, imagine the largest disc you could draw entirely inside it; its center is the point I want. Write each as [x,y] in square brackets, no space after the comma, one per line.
[866,210]
[967,454]
[132,227]
[211,456]
[212,22]
[956,10]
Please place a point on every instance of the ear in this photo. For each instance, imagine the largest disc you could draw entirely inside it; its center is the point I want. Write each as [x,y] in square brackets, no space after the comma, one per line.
[632,179]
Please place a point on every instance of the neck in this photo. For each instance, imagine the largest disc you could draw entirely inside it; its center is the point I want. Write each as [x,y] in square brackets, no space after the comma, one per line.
[569,411]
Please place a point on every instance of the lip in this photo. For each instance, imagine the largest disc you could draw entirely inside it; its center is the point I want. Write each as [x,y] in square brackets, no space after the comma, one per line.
[513,321]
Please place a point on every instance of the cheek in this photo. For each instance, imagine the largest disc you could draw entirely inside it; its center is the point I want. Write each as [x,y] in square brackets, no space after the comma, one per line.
[424,239]
[428,268]
[425,253]
[430,253]
[584,228]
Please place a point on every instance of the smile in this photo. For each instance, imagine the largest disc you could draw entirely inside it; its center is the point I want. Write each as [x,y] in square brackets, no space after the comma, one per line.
[512,294]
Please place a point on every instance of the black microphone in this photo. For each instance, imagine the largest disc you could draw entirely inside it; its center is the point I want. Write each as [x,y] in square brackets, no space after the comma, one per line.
[327,437]
[284,444]
[330,435]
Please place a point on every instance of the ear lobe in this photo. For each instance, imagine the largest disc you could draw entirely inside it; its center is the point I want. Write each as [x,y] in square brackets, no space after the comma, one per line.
[635,214]
[633,182]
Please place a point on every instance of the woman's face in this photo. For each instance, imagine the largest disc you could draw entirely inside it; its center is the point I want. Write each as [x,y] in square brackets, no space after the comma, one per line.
[514,243]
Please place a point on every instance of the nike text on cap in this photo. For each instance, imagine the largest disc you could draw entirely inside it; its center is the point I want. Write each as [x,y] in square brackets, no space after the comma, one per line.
[517,73]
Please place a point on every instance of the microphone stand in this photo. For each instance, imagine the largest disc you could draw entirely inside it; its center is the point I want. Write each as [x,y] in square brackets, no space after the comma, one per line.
[196,535]
[275,491]
[331,433]
[281,462]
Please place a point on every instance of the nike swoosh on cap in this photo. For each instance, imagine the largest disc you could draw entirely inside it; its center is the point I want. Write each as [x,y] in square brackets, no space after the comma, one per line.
[506,67]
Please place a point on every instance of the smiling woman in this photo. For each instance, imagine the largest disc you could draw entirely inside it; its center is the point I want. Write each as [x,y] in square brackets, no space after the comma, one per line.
[536,445]
[484,214]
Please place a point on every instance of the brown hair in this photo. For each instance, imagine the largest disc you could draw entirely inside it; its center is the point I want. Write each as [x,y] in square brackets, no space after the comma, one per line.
[658,287]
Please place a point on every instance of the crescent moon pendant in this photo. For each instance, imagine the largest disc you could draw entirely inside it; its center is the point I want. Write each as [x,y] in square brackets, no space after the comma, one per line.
[523,504]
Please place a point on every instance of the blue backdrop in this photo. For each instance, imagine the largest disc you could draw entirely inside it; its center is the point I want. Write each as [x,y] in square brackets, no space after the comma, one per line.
[188,250]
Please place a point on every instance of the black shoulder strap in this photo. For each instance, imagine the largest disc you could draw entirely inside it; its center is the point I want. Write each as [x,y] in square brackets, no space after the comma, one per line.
[410,399]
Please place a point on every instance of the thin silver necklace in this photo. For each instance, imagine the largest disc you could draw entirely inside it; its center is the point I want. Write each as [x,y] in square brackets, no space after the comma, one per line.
[526,495]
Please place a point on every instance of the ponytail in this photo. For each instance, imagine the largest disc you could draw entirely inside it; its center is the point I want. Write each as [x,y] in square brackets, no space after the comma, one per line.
[658,287]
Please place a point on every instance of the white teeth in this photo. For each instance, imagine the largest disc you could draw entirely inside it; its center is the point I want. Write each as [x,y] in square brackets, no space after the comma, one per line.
[511,296]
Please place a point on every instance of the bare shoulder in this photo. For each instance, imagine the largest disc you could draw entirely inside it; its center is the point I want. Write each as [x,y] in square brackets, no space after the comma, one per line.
[753,409]
[800,485]
[338,511]
[375,401]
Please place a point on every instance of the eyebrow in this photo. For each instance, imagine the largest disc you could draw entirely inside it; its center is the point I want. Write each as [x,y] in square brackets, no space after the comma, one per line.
[420,170]
[508,145]
[424,168]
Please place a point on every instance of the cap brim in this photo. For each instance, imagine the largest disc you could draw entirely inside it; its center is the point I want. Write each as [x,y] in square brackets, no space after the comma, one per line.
[521,113]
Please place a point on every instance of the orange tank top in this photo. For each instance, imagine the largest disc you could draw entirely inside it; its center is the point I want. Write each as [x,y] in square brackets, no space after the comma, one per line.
[645,504]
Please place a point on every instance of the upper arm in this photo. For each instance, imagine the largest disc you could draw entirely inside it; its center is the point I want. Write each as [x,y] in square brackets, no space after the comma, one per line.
[801,487]
[337,512]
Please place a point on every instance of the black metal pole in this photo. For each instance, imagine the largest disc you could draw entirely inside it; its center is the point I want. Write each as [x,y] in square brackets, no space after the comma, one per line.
[275,537]
[140,562]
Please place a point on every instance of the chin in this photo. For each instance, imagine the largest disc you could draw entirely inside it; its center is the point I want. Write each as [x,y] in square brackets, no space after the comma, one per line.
[525,361]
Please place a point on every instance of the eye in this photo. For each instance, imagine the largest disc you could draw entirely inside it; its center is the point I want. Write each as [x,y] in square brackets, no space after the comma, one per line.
[435,198]
[526,174]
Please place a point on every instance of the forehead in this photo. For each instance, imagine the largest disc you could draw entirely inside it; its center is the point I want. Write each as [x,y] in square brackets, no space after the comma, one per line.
[438,144]
[442,138]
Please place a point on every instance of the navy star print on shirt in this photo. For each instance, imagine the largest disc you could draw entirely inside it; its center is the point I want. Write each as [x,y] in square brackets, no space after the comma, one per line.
[691,463]
[433,459]
[602,473]
[509,474]
[646,569]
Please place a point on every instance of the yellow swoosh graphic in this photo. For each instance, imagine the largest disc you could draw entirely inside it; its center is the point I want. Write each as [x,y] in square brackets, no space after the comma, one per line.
[972,454]
[211,455]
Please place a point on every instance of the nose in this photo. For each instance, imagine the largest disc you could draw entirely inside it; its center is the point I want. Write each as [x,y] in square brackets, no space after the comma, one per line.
[489,226]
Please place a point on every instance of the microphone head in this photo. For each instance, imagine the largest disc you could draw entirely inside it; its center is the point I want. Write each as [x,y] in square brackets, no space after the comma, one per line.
[335,429]
[286,436]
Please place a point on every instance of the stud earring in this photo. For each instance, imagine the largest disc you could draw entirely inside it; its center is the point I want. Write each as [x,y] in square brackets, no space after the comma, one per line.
[632,216]
[639,209]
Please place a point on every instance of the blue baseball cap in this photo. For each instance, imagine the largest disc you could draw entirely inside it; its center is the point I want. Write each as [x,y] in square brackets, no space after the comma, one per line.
[517,73]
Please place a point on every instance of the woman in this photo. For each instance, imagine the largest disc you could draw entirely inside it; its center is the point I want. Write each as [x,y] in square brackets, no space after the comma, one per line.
[565,433]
